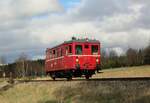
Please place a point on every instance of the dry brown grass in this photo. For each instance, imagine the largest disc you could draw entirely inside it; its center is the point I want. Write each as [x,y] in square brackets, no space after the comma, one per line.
[139,71]
[78,92]
[84,91]
[26,93]
[2,80]
[31,93]
[105,92]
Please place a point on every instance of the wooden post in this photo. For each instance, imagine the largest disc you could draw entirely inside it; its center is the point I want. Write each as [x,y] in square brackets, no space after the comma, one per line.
[11,78]
[4,75]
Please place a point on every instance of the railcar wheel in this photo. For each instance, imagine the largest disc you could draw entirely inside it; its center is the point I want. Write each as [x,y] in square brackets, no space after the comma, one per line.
[69,78]
[87,77]
[53,78]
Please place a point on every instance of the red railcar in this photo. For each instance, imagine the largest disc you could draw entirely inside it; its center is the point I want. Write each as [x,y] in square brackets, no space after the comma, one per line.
[74,58]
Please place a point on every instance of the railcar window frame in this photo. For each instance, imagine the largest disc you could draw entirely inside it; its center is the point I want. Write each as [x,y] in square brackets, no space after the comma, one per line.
[66,49]
[94,49]
[61,52]
[80,50]
[50,54]
[57,52]
[54,53]
[70,49]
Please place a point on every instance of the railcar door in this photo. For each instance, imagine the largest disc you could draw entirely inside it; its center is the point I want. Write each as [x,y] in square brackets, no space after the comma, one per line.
[68,57]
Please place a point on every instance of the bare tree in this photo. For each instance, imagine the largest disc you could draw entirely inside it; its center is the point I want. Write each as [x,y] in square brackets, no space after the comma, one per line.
[147,55]
[22,65]
[131,57]
[112,54]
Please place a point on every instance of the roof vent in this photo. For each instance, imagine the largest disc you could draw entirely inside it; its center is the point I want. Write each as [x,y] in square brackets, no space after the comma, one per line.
[73,38]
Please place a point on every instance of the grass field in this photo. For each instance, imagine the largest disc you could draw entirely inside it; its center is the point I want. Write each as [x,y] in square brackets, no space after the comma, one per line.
[83,91]
[2,80]
[77,92]
[139,71]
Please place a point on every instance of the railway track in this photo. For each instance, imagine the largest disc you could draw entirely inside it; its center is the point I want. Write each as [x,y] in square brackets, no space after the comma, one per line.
[92,79]
[126,80]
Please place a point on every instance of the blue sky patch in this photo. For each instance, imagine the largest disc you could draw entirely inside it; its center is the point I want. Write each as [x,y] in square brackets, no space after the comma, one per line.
[69,3]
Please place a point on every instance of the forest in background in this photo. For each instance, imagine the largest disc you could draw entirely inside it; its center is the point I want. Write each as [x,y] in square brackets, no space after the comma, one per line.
[132,57]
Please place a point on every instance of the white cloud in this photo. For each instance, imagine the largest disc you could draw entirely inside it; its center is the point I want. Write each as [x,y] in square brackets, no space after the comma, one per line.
[15,9]
[36,7]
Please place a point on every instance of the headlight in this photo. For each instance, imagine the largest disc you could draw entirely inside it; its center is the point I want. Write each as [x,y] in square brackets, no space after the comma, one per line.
[77,60]
[97,60]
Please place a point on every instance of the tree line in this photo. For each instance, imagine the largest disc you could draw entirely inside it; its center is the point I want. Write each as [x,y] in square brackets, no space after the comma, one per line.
[132,57]
[23,67]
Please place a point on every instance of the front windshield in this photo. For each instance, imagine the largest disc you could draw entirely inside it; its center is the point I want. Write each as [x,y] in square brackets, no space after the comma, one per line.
[78,49]
[94,49]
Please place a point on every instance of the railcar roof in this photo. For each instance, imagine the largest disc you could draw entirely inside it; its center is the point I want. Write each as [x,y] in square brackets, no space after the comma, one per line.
[77,40]
[82,40]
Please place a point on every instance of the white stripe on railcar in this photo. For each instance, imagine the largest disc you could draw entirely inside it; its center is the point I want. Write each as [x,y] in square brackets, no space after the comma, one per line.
[84,55]
[55,58]
[73,56]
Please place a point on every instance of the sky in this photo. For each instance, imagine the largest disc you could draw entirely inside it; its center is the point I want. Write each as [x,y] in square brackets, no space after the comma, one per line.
[31,26]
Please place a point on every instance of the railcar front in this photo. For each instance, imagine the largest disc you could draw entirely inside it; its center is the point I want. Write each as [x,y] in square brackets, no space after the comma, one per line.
[86,58]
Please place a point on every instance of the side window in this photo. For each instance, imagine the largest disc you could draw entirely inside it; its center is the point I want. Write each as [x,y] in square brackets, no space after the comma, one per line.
[94,49]
[50,54]
[54,53]
[57,53]
[70,49]
[78,49]
[66,50]
[61,52]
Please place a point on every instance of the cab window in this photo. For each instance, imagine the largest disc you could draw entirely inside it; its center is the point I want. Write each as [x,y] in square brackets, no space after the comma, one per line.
[78,49]
[94,49]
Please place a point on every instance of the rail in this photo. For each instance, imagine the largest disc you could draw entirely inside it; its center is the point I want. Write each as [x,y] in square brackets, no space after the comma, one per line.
[92,79]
